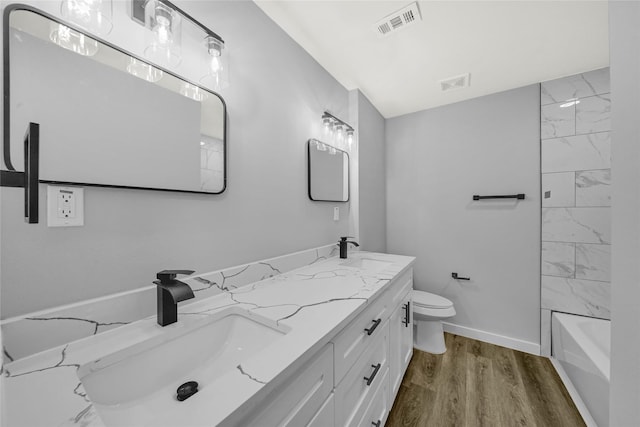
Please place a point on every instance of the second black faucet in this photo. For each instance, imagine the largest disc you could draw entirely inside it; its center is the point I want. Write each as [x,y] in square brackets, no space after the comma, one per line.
[343,246]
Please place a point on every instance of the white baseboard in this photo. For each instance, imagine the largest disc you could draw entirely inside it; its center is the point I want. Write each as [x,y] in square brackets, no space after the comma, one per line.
[575,396]
[501,340]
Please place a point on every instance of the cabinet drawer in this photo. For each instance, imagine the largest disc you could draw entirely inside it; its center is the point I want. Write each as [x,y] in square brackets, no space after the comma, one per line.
[300,398]
[351,342]
[379,407]
[325,415]
[354,393]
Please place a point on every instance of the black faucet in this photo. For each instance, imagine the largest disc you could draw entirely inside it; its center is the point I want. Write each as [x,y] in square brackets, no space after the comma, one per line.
[170,292]
[343,246]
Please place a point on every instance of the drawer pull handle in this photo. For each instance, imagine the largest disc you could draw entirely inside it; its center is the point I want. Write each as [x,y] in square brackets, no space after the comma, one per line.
[376,424]
[370,330]
[407,314]
[376,368]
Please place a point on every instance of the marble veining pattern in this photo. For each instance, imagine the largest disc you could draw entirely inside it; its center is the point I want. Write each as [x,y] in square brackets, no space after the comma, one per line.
[581,225]
[576,195]
[578,86]
[557,121]
[558,259]
[593,114]
[593,188]
[36,332]
[325,290]
[586,297]
[593,262]
[577,153]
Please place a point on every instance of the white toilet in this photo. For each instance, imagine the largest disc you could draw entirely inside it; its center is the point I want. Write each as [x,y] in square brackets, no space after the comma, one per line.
[428,312]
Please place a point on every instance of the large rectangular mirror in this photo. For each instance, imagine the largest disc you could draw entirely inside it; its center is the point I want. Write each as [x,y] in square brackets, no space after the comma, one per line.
[328,172]
[106,117]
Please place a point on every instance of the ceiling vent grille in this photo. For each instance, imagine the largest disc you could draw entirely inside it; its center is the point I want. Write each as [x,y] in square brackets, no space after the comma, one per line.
[457,82]
[398,20]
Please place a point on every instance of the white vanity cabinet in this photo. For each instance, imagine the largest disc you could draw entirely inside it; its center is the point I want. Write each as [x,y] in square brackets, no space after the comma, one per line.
[355,378]
[400,335]
[302,399]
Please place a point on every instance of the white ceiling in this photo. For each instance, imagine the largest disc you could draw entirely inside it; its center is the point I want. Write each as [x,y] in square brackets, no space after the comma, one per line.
[503,44]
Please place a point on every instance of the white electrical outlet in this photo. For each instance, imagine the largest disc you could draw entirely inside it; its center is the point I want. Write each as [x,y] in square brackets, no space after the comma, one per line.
[336,213]
[65,206]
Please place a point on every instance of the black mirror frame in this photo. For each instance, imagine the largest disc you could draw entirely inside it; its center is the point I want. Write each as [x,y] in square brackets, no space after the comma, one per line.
[7,104]
[309,173]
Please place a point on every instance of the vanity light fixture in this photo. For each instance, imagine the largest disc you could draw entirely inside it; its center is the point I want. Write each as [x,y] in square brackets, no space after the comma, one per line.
[96,16]
[216,76]
[143,70]
[164,39]
[338,128]
[72,40]
[350,137]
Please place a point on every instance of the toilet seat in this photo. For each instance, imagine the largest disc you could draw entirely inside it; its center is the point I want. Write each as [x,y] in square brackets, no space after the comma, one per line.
[428,304]
[428,300]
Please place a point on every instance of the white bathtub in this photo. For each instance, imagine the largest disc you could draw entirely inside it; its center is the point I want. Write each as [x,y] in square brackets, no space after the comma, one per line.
[580,348]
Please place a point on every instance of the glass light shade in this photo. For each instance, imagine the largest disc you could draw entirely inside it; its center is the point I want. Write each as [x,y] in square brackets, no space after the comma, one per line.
[72,40]
[217,75]
[164,38]
[193,92]
[143,70]
[96,16]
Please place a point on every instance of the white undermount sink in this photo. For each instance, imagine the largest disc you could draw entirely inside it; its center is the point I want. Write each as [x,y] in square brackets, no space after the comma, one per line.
[368,264]
[137,384]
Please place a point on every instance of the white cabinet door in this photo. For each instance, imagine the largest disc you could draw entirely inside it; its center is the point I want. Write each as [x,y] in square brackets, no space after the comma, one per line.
[406,336]
[400,342]
[297,402]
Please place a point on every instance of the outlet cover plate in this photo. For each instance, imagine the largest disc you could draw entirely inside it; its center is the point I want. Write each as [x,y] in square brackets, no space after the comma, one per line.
[65,206]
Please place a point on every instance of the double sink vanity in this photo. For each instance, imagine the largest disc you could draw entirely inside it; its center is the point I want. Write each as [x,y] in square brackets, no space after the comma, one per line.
[322,345]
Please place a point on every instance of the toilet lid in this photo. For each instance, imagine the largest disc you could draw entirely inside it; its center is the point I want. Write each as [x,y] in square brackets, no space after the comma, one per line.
[425,299]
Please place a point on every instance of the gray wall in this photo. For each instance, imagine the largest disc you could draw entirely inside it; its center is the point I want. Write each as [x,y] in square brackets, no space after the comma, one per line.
[371,157]
[436,160]
[624,28]
[277,95]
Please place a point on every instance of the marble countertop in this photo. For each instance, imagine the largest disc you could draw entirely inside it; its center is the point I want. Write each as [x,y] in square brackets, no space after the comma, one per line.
[313,303]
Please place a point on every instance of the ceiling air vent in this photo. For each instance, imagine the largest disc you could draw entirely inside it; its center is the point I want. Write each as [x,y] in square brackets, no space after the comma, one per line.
[398,20]
[457,82]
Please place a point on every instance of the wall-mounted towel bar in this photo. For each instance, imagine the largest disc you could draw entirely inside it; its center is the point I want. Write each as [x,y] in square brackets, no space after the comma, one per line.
[504,196]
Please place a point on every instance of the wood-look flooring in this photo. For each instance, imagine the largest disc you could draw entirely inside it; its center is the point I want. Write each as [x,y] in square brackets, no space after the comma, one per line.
[480,384]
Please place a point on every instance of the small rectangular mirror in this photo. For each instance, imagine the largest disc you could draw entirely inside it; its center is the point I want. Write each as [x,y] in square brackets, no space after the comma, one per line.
[328,172]
[107,118]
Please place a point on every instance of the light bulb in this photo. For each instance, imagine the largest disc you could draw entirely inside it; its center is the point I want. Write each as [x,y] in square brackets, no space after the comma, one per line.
[214,78]
[164,35]
[93,15]
[163,30]
[350,138]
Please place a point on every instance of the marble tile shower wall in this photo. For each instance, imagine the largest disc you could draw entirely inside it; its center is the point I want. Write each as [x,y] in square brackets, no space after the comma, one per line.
[576,198]
[40,331]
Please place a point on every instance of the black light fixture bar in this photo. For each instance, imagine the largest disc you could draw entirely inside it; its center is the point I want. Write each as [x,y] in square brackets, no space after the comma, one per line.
[334,118]
[137,14]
